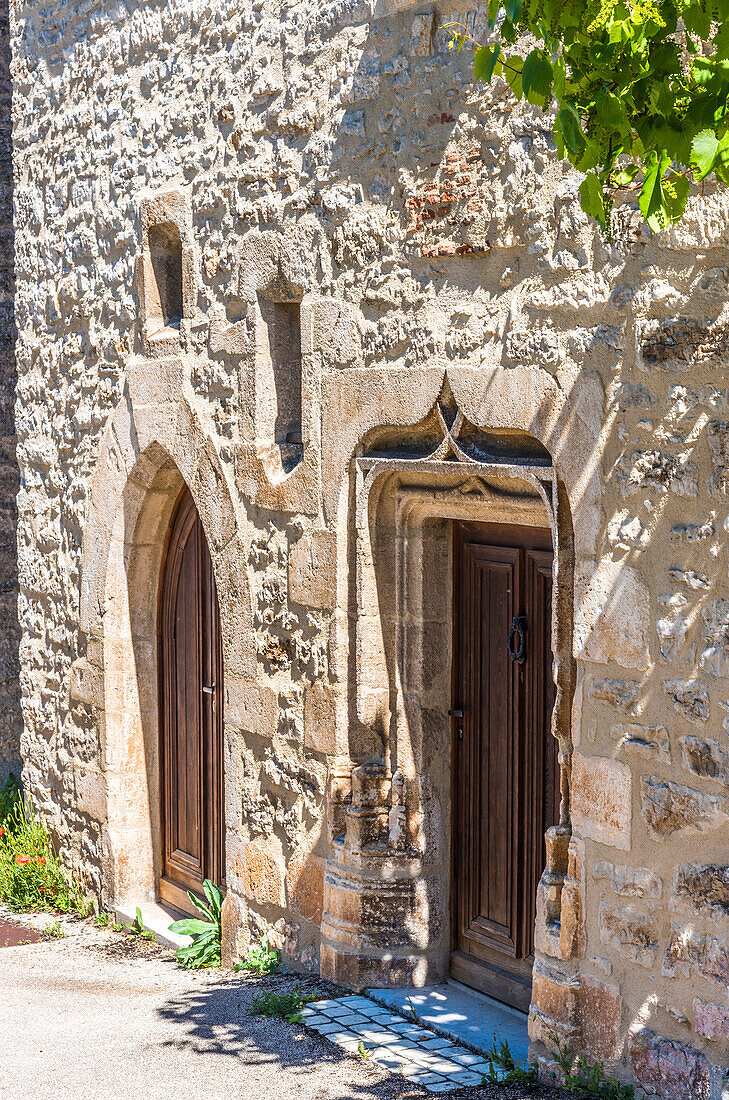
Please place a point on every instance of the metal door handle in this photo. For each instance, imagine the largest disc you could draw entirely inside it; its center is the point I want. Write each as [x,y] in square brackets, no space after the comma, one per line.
[209,690]
[457,712]
[517,629]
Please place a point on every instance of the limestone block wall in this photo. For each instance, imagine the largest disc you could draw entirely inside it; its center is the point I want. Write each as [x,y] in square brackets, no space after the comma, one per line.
[10,715]
[334,165]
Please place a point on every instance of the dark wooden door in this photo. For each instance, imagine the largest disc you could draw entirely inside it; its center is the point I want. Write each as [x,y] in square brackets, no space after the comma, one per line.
[191,688]
[505,787]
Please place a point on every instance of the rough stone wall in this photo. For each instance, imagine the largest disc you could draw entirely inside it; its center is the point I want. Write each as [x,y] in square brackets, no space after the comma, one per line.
[437,226]
[11,722]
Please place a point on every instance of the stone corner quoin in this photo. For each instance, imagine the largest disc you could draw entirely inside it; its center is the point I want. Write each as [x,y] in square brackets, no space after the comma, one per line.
[300,268]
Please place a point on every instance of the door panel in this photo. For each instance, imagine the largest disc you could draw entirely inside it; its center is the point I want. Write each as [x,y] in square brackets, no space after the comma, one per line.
[504,754]
[191,687]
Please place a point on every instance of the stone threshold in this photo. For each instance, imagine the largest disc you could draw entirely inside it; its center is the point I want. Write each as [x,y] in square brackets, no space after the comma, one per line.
[157,918]
[462,1015]
[441,1056]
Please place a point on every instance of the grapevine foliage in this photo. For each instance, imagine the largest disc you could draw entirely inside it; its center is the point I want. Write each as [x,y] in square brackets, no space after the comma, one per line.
[640,88]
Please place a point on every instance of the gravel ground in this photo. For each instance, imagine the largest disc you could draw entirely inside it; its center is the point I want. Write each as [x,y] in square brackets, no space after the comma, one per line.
[102,1015]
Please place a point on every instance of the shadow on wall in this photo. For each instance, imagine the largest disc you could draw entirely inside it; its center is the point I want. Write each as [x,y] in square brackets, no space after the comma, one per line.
[11,722]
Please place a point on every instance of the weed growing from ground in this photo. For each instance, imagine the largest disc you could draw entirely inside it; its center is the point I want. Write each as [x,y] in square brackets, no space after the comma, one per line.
[206,934]
[117,926]
[261,960]
[10,795]
[31,875]
[504,1068]
[288,1004]
[581,1077]
[54,931]
[103,919]
[363,1051]
[136,928]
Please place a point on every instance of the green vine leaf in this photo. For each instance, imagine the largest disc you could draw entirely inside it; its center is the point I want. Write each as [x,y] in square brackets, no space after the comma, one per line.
[639,88]
[704,148]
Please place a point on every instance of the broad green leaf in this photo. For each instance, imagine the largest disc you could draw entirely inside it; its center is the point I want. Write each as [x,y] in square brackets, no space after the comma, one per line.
[486,61]
[568,122]
[201,906]
[651,200]
[704,148]
[536,78]
[591,195]
[610,110]
[512,74]
[513,10]
[212,893]
[675,194]
[189,927]
[625,176]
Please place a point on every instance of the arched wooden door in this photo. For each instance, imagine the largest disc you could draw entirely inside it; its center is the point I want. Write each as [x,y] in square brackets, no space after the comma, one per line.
[191,702]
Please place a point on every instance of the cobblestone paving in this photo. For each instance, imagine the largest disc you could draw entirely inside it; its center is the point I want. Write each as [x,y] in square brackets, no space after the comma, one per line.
[396,1043]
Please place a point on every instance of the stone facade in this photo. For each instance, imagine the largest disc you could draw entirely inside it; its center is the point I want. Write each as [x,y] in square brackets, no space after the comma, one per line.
[10,713]
[207,193]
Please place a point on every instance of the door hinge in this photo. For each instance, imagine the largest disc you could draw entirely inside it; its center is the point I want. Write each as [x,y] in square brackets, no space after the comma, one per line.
[209,689]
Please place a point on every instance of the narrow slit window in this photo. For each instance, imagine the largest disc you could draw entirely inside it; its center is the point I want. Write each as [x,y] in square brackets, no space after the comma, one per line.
[282,325]
[165,253]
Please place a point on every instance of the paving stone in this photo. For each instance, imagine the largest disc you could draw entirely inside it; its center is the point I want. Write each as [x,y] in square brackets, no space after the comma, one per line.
[465,1057]
[465,1077]
[427,1079]
[358,1003]
[350,1045]
[437,1043]
[442,1066]
[335,1033]
[386,1057]
[375,1036]
[446,1086]
[311,1019]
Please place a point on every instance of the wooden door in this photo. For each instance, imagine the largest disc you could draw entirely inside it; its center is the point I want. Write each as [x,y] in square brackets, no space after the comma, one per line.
[191,689]
[505,768]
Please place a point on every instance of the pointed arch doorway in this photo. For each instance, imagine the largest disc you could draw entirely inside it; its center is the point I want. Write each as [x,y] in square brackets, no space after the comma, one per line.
[191,712]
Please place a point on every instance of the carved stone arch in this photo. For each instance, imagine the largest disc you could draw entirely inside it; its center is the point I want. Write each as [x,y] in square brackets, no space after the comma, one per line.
[485,434]
[154,445]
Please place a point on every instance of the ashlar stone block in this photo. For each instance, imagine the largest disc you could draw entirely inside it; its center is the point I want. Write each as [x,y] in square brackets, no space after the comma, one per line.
[601,799]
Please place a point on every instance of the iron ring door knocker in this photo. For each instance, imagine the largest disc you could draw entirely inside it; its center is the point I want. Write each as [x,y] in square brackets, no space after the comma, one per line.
[517,630]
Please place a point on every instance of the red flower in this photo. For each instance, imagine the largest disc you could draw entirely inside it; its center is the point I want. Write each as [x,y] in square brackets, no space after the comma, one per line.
[22,859]
[40,859]
[2,831]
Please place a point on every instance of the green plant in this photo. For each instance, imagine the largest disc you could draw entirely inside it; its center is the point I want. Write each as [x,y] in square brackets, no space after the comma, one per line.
[640,88]
[31,875]
[10,796]
[262,960]
[504,1068]
[287,1004]
[54,931]
[579,1076]
[206,934]
[118,926]
[362,1051]
[102,920]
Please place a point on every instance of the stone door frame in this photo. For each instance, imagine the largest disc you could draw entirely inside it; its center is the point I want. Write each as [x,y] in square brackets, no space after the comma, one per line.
[364,874]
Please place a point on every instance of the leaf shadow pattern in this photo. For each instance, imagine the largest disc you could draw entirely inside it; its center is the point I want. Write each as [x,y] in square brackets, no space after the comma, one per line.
[214,1019]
